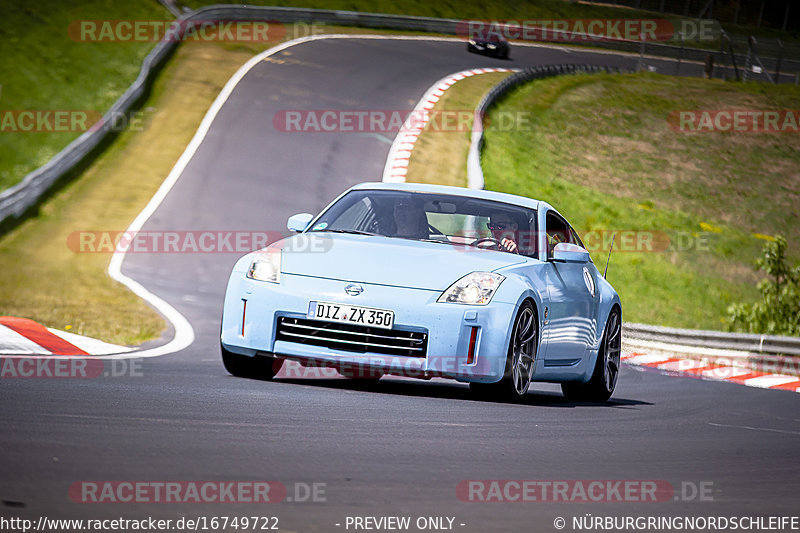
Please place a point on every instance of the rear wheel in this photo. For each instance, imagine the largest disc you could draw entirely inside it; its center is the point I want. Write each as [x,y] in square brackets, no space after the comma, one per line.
[521,359]
[601,385]
[258,367]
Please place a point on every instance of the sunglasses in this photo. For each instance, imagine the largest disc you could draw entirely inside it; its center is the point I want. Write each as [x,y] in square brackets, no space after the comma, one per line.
[498,226]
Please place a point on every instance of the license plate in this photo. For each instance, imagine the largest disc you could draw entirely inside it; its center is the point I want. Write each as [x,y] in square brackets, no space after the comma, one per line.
[351,314]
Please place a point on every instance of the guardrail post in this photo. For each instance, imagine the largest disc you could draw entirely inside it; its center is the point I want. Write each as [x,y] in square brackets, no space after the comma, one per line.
[754,343]
[709,66]
[641,53]
[748,59]
[733,57]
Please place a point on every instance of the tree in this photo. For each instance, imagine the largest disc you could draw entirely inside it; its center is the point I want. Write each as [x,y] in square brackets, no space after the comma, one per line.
[778,312]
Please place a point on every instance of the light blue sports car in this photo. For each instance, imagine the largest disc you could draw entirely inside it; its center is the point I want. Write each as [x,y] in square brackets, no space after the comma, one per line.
[488,288]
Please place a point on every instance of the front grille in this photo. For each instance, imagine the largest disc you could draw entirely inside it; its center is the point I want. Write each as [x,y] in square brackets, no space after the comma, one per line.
[352,338]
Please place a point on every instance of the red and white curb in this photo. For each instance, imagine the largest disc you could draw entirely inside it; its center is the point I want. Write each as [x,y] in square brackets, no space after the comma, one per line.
[21,336]
[715,371]
[396,167]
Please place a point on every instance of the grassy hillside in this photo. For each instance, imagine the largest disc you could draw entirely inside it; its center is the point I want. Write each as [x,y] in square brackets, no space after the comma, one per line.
[43,68]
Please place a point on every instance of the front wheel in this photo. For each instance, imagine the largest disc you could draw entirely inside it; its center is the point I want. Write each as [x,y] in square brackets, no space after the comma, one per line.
[522,349]
[601,385]
[258,367]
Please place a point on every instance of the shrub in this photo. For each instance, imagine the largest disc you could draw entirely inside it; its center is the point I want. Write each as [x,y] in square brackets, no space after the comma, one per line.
[778,312]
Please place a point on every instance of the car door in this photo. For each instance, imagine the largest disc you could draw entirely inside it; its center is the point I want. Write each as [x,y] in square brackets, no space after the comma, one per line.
[572,308]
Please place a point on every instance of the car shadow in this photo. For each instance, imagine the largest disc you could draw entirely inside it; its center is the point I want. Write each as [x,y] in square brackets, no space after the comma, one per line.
[452,390]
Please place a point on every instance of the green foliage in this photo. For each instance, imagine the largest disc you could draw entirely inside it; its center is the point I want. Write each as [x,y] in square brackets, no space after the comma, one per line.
[779,311]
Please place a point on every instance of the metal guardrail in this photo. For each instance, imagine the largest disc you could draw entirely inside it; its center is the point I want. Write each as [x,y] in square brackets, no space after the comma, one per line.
[746,342]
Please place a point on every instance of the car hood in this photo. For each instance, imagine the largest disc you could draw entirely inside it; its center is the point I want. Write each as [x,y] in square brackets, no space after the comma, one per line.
[386,261]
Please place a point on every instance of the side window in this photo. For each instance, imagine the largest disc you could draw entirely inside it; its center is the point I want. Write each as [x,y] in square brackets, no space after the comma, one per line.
[557,231]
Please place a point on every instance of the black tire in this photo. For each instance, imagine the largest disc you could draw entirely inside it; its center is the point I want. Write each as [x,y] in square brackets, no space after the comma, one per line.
[521,360]
[258,367]
[601,385]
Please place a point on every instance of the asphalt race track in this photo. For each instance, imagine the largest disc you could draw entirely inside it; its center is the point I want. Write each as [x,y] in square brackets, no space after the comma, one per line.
[398,447]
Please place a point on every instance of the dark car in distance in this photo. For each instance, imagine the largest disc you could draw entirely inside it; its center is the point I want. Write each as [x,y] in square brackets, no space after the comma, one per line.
[491,47]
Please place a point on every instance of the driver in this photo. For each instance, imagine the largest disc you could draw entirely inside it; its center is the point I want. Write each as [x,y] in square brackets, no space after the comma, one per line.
[504,230]
[410,219]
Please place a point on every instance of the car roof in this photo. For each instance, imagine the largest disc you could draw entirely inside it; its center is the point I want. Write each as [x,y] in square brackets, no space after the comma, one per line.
[513,199]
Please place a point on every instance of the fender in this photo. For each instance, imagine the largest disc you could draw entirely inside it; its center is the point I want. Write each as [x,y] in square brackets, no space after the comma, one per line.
[608,300]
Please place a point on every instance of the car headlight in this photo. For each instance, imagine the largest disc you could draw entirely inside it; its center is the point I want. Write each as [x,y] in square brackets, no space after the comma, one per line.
[491,46]
[266,266]
[476,288]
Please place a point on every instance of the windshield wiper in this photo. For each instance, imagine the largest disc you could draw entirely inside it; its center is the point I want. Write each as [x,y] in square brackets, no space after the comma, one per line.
[415,239]
[437,241]
[349,231]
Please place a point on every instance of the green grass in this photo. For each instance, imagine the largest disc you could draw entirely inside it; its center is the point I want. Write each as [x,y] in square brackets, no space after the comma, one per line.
[600,149]
[44,69]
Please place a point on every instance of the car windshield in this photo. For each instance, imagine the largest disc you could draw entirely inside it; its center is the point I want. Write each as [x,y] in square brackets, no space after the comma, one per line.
[440,218]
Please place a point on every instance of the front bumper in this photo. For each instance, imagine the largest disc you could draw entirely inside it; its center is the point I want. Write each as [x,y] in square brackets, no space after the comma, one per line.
[252,309]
